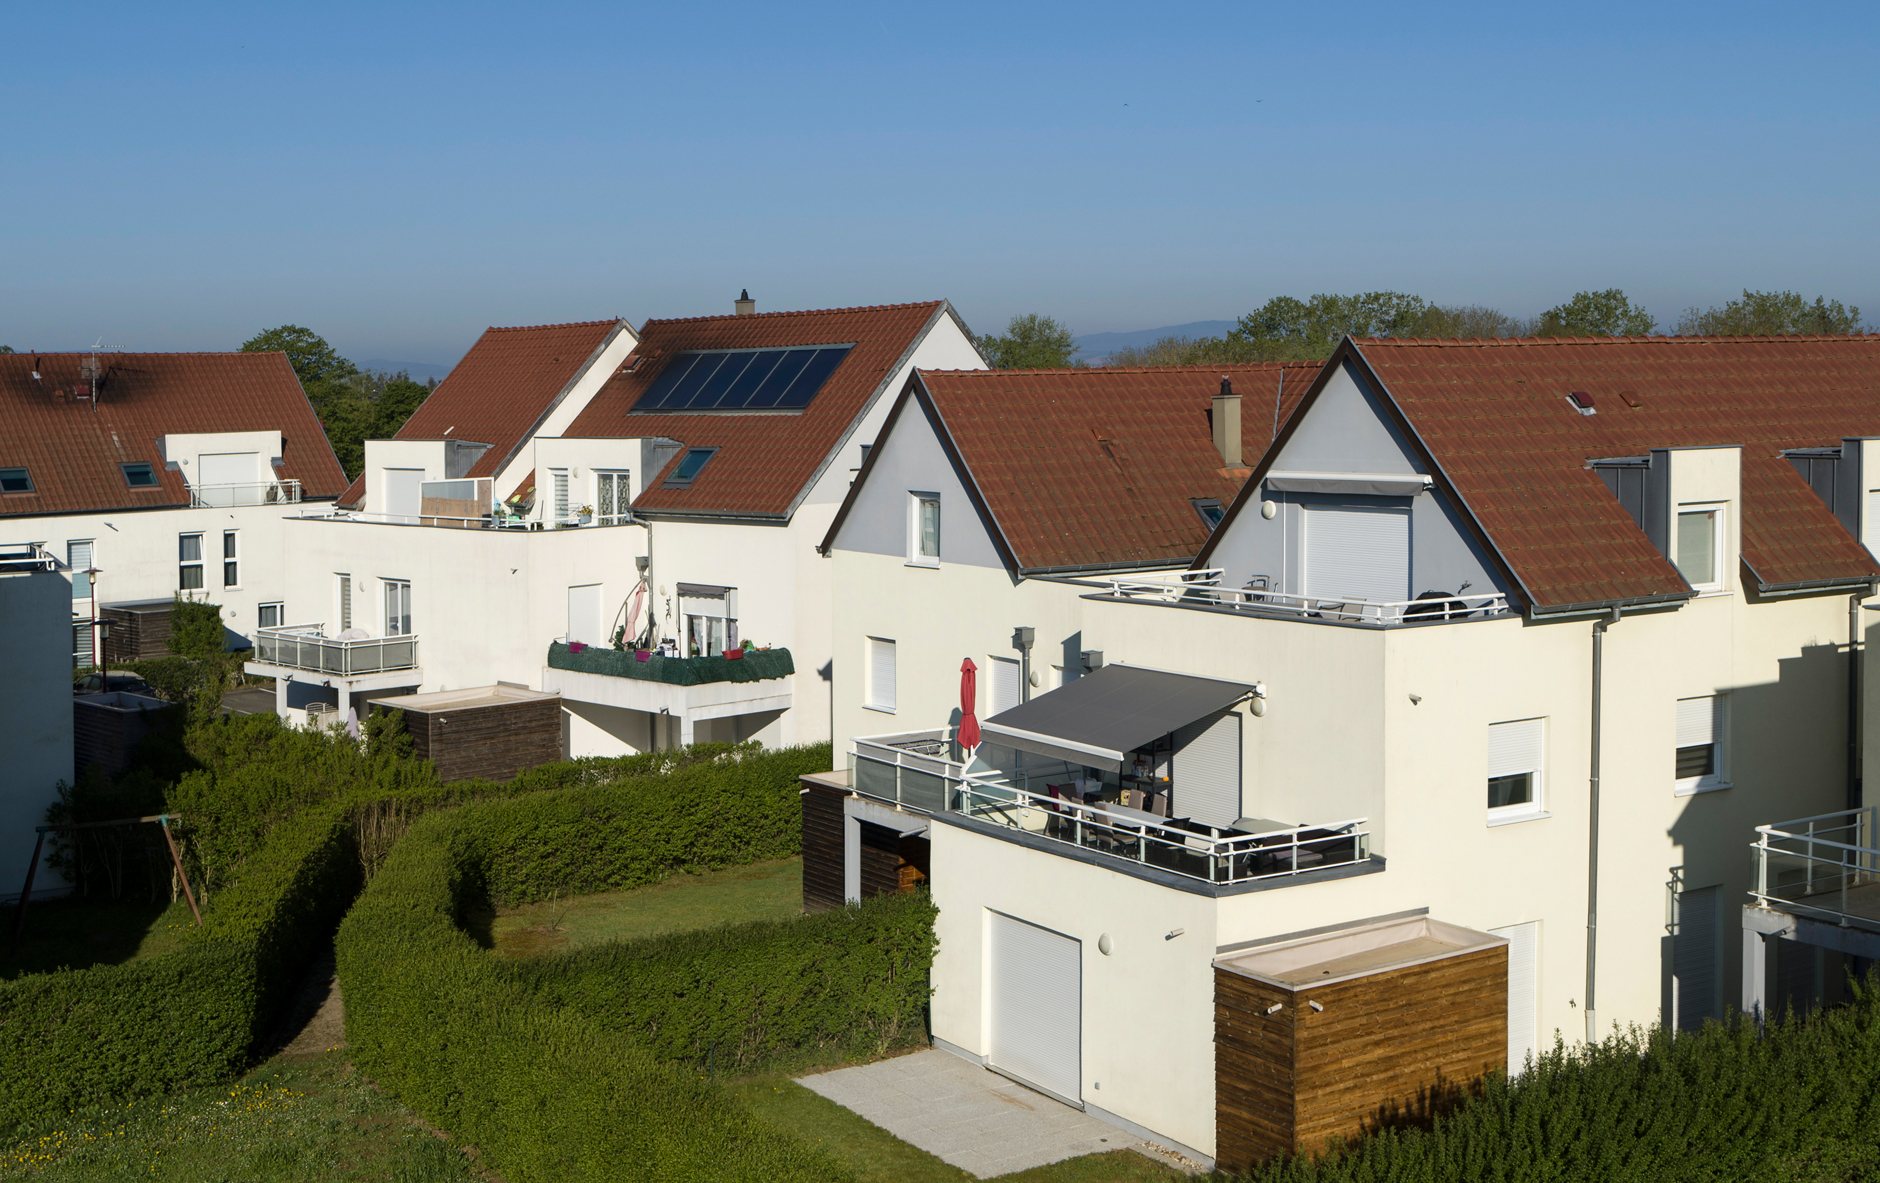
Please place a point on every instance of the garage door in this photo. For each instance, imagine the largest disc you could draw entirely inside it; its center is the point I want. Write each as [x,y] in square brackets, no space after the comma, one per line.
[1037,1007]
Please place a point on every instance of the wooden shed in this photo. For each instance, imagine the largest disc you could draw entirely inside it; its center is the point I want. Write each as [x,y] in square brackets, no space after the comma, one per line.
[889,858]
[106,728]
[491,732]
[1343,1033]
[139,629]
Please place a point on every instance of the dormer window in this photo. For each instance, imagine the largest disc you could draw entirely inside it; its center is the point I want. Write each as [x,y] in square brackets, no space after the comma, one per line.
[139,476]
[15,480]
[1700,543]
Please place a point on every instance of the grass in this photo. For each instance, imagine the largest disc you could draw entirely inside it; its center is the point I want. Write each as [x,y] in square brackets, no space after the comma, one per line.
[293,1120]
[768,890]
[876,1156]
[72,933]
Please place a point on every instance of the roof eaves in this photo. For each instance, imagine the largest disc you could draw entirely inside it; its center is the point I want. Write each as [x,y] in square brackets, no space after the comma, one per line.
[1600,607]
[861,412]
[827,545]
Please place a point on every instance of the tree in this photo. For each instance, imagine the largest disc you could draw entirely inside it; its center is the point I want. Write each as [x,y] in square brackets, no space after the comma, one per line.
[314,361]
[1774,314]
[354,405]
[1031,342]
[1596,314]
[6,349]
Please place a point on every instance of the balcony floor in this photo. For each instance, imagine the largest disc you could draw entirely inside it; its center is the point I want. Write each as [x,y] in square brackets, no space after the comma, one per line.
[1861,907]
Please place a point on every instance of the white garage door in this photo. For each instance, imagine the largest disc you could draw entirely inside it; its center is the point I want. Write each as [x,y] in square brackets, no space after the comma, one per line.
[1037,1007]
[1358,553]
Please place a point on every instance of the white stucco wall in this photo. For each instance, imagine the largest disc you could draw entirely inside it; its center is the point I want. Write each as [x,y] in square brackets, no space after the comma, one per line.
[36,702]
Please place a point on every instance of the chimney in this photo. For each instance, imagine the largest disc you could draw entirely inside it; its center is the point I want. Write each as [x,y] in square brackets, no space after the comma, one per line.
[1226,420]
[744,304]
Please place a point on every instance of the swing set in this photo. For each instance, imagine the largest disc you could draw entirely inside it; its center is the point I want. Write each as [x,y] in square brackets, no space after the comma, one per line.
[161,820]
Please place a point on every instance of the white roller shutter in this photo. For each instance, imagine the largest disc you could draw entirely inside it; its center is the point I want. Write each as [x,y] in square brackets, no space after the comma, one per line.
[584,614]
[1870,525]
[1694,959]
[1697,721]
[880,674]
[1517,747]
[1037,1007]
[403,492]
[78,558]
[1357,553]
[1207,770]
[1004,671]
[1523,992]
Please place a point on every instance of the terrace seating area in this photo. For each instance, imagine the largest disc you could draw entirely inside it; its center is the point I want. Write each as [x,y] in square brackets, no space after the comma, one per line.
[1202,588]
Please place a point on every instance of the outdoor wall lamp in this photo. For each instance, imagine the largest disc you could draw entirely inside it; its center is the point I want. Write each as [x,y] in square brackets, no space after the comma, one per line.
[1258,705]
[1103,944]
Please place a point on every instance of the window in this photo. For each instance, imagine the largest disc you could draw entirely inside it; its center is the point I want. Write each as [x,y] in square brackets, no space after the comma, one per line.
[558,500]
[1003,682]
[189,562]
[345,602]
[1516,758]
[139,476]
[689,467]
[615,495]
[1700,745]
[742,380]
[880,691]
[1700,546]
[268,616]
[81,646]
[78,556]
[231,560]
[923,529]
[397,608]
[1211,510]
[1358,553]
[15,480]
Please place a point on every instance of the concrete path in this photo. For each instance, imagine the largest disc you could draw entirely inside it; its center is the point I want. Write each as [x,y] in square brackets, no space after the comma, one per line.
[974,1119]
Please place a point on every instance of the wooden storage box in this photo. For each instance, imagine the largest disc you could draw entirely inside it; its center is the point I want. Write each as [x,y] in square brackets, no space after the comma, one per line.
[489,732]
[138,630]
[1347,1032]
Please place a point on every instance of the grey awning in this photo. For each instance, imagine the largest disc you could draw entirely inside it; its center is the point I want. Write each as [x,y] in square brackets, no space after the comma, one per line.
[1101,717]
[1379,484]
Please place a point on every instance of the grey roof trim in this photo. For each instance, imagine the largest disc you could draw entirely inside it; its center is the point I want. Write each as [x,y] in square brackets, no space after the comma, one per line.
[1257,942]
[528,437]
[1184,563]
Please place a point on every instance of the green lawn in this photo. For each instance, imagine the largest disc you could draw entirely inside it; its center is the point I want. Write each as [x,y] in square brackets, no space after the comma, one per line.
[770,890]
[879,1157]
[293,1120]
[73,933]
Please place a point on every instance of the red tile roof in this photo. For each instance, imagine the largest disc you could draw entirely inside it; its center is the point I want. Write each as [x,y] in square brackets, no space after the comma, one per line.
[765,463]
[1100,467]
[501,390]
[1495,420]
[72,451]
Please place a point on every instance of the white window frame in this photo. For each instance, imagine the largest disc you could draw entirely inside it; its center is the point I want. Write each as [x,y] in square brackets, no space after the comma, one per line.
[342,611]
[1535,808]
[623,496]
[231,542]
[81,585]
[1718,777]
[183,564]
[402,621]
[560,499]
[280,614]
[872,697]
[915,537]
[1720,512]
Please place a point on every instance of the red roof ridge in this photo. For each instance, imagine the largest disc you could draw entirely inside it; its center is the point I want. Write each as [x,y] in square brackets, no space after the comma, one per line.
[1651,339]
[570,324]
[145,352]
[1207,369]
[797,312]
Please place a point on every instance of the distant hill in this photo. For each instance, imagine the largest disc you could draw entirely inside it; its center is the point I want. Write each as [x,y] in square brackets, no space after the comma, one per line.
[419,370]
[1094,347]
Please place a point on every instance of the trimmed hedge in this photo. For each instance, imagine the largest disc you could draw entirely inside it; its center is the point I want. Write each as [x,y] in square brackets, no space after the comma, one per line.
[1801,1101]
[757,665]
[845,984]
[546,1093]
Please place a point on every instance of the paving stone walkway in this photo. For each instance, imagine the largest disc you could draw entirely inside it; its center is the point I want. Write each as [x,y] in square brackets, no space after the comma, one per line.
[974,1119]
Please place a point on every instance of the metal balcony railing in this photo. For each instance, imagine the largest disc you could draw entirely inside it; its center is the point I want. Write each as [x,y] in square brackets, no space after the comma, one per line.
[1203,587]
[1825,866]
[27,556]
[914,770]
[303,647]
[259,493]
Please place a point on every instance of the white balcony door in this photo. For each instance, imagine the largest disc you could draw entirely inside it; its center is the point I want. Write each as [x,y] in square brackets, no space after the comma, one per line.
[404,493]
[1003,682]
[216,470]
[1037,1007]
[584,614]
[1357,552]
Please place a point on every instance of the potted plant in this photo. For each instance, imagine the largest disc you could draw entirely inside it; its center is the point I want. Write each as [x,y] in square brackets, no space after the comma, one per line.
[585,514]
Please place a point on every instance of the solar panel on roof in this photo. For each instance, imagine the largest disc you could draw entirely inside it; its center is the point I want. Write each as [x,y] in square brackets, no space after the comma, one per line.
[742,380]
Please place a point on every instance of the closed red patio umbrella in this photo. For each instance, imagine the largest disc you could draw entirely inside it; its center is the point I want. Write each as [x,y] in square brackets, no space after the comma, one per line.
[968,732]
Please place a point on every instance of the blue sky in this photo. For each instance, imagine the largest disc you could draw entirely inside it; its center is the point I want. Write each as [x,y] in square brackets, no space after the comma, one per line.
[397,177]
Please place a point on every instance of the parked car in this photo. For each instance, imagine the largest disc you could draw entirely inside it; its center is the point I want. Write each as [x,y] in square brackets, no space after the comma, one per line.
[111,681]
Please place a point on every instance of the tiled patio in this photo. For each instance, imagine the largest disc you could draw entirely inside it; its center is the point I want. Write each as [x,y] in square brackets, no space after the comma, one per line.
[974,1119]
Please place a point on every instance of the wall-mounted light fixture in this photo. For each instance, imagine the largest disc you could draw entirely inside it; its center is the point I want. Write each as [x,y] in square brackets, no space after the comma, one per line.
[1103,944]
[1258,705]
[1269,510]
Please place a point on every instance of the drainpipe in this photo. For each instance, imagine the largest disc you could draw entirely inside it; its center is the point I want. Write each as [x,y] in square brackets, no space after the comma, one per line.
[1592,839]
[1853,699]
[1022,639]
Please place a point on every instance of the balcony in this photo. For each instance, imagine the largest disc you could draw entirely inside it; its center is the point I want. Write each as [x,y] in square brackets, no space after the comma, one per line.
[1824,867]
[304,647]
[1059,804]
[757,665]
[228,496]
[1203,588]
[27,556]
[690,689]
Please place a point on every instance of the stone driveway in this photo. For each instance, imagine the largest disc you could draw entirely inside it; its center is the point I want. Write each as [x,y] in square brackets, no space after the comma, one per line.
[974,1119]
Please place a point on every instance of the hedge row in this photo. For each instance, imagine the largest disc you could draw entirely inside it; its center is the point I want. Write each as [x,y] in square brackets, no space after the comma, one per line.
[545,1093]
[1800,1101]
[850,983]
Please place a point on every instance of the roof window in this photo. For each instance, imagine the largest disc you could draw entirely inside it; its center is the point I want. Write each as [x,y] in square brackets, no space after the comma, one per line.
[1210,509]
[742,380]
[1582,402]
[695,459]
[15,480]
[139,476]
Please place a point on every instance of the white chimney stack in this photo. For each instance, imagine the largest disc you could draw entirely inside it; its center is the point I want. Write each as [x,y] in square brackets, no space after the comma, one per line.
[744,304]
[1226,419]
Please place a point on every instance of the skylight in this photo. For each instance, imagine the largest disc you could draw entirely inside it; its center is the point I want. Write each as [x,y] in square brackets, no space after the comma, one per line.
[742,380]
[15,480]
[139,476]
[689,467]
